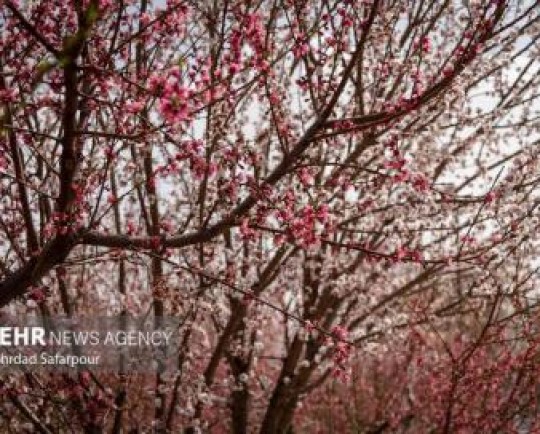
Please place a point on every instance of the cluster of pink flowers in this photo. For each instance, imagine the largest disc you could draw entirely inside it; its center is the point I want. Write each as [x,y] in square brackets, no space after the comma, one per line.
[255,35]
[38,294]
[420,183]
[341,351]
[404,253]
[301,45]
[397,163]
[174,103]
[305,176]
[424,44]
[8,95]
[308,225]
[246,231]
[64,223]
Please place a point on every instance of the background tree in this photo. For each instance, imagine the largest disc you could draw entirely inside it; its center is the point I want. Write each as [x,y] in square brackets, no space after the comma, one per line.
[302,183]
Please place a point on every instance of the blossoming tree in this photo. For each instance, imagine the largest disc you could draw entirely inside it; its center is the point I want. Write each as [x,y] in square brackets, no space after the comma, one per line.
[337,198]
